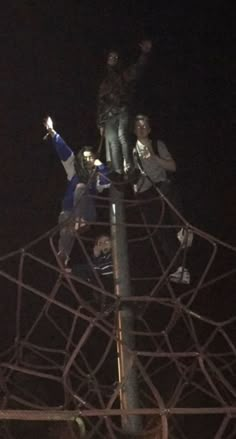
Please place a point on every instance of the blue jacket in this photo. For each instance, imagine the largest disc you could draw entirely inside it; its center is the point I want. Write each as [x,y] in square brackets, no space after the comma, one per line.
[67,158]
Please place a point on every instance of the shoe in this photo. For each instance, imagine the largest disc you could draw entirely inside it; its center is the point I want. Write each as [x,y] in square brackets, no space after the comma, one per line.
[180,276]
[68,270]
[185,237]
[81,225]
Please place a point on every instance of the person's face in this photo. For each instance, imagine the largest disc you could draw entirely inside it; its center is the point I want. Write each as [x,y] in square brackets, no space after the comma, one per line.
[112,59]
[142,128]
[89,158]
[104,243]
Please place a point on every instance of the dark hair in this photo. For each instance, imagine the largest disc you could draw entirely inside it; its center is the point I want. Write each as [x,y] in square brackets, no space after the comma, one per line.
[118,66]
[142,117]
[80,166]
[113,50]
[101,235]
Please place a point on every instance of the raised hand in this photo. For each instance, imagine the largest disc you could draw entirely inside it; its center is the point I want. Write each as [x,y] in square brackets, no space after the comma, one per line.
[48,123]
[97,250]
[146,46]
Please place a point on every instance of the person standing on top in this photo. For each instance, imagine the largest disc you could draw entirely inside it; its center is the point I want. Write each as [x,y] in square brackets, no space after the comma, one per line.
[114,99]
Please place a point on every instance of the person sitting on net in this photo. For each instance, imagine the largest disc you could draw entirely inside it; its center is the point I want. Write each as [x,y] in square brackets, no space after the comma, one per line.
[101,261]
[155,163]
[86,175]
[102,266]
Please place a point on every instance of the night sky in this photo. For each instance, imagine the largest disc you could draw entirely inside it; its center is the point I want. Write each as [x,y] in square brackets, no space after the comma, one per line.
[52,62]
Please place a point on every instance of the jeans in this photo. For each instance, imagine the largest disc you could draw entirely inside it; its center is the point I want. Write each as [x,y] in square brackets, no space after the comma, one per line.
[117,141]
[84,207]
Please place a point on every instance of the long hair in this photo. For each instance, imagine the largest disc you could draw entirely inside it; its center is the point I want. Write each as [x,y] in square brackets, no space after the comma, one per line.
[81,168]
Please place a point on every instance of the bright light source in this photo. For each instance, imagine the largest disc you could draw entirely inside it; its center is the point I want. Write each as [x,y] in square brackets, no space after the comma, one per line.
[49,123]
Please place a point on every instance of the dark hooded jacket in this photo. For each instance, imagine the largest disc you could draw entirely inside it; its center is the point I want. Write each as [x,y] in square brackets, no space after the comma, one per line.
[117,89]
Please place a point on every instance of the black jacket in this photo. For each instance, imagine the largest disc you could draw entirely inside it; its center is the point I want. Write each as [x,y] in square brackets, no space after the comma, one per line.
[117,89]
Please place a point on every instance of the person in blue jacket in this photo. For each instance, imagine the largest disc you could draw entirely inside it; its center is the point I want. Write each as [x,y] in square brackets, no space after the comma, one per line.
[86,176]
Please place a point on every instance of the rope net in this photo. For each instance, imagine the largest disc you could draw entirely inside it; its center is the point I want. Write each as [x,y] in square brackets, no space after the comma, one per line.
[59,336]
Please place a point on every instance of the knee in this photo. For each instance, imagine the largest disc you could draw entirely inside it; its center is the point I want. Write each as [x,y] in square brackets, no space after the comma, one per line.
[112,138]
[63,217]
[80,187]
[79,190]
[66,231]
[123,137]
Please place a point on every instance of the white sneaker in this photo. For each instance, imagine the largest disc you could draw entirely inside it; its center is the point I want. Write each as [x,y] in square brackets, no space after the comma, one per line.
[185,237]
[180,276]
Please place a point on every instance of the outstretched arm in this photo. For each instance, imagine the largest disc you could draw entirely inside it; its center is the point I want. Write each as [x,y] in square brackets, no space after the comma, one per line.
[64,152]
[48,123]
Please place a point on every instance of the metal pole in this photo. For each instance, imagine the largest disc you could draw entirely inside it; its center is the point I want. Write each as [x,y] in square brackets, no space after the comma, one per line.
[131,424]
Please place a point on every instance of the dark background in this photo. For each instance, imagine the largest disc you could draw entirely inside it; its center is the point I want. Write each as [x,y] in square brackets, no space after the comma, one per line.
[52,60]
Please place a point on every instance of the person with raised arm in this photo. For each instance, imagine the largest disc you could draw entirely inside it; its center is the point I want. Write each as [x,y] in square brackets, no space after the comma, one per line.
[86,176]
[114,102]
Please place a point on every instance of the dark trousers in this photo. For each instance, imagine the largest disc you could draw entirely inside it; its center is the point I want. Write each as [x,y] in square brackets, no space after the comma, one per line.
[85,272]
[84,207]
